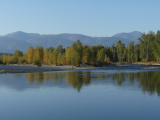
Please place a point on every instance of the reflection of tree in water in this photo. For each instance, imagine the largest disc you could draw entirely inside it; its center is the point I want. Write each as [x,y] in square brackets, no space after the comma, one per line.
[132,77]
[77,79]
[30,77]
[120,77]
[35,77]
[40,78]
[149,81]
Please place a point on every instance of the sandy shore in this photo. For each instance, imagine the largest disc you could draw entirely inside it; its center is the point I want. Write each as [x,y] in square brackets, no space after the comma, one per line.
[34,68]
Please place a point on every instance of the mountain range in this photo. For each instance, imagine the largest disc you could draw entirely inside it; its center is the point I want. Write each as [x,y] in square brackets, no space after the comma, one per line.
[21,40]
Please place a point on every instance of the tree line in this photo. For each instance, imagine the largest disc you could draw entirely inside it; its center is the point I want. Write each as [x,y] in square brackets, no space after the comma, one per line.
[148,49]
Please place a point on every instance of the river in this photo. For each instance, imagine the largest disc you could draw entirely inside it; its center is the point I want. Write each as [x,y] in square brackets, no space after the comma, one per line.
[97,94]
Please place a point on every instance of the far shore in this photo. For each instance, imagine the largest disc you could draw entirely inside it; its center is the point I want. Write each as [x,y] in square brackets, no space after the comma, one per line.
[45,68]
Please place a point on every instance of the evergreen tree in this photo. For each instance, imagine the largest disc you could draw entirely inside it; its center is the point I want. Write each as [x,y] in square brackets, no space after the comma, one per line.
[137,52]
[131,56]
[120,51]
[156,46]
[146,46]
[114,53]
[101,56]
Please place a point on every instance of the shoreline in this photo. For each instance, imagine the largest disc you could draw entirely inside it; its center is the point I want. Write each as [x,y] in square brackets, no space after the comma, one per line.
[46,68]
[32,68]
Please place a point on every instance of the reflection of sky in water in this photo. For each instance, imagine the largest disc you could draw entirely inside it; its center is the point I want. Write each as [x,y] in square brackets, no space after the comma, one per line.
[80,95]
[83,78]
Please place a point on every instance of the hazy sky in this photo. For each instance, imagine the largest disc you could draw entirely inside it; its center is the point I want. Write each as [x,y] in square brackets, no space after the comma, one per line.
[89,17]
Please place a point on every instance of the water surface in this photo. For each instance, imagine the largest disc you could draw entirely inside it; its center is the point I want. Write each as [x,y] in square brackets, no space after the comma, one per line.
[80,95]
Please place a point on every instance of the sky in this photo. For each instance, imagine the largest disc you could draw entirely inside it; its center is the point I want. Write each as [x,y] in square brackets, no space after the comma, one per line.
[89,17]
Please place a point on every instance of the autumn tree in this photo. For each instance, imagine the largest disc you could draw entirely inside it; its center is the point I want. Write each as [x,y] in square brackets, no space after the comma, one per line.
[59,59]
[57,54]
[74,53]
[30,55]
[68,56]
[48,56]
[4,59]
[38,56]
[50,50]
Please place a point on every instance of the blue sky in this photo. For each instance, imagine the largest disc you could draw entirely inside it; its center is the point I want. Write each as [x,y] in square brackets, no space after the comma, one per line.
[88,17]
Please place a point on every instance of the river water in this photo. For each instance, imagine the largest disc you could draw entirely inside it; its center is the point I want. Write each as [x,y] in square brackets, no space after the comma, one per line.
[80,95]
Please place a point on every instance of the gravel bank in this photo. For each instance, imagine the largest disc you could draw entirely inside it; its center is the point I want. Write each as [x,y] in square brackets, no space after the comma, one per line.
[32,68]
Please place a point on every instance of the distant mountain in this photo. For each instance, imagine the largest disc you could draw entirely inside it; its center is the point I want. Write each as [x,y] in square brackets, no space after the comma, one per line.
[129,36]
[50,40]
[9,45]
[22,35]
[21,40]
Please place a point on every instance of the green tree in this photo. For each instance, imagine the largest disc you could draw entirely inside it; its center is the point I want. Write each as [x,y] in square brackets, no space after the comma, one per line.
[1,60]
[137,52]
[79,52]
[120,51]
[146,43]
[114,53]
[101,56]
[17,55]
[93,55]
[156,46]
[131,56]
[86,55]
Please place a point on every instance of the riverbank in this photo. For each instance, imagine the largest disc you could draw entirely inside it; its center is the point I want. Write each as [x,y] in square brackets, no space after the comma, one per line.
[32,68]
[45,68]
[147,63]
